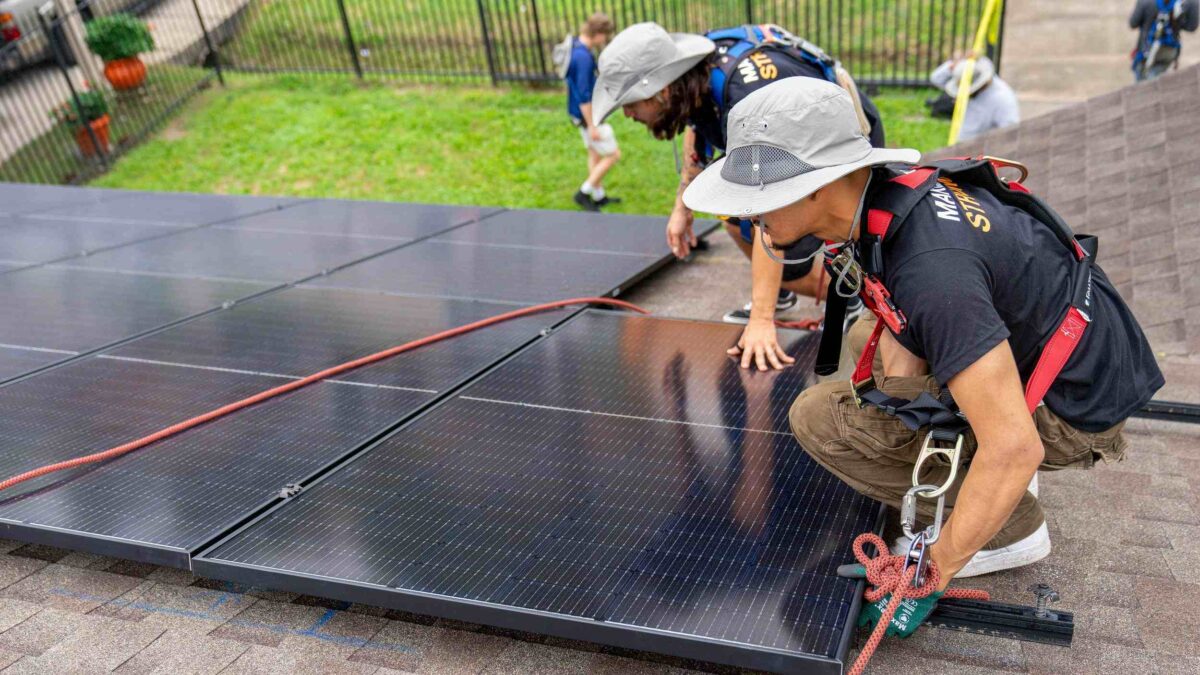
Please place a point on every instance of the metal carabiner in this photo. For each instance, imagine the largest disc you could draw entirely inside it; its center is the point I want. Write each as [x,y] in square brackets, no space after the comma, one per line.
[908,513]
[928,449]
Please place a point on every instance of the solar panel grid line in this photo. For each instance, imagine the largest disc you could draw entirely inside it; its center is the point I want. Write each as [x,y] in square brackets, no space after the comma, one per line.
[608,414]
[521,275]
[76,320]
[169,208]
[273,230]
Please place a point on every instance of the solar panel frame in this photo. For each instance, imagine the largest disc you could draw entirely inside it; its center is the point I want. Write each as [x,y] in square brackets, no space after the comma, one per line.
[209,562]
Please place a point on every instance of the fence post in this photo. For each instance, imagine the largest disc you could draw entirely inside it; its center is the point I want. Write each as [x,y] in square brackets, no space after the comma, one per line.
[72,27]
[749,11]
[537,31]
[212,48]
[61,61]
[487,42]
[350,39]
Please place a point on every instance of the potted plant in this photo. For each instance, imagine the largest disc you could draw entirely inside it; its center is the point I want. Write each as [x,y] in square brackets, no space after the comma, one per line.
[118,39]
[88,110]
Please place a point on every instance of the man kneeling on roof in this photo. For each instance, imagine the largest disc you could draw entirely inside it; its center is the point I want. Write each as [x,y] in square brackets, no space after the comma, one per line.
[991,297]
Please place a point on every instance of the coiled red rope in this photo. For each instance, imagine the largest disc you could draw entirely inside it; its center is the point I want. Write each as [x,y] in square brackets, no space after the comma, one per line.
[211,415]
[886,574]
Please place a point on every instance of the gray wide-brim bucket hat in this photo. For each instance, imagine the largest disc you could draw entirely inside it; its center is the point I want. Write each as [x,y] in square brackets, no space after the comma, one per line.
[640,61]
[985,70]
[786,141]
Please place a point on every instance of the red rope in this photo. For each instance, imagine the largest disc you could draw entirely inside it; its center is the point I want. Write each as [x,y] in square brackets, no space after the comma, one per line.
[886,574]
[297,384]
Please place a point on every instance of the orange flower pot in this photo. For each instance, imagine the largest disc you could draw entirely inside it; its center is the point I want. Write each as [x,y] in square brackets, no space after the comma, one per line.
[84,139]
[127,73]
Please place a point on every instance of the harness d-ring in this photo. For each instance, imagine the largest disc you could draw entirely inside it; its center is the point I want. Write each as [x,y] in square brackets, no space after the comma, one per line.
[928,449]
[1000,163]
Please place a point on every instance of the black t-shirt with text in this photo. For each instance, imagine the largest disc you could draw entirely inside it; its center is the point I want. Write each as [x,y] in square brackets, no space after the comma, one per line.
[969,272]
[756,69]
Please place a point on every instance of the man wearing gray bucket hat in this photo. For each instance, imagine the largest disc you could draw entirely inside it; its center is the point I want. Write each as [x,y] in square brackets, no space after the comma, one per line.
[677,83]
[983,289]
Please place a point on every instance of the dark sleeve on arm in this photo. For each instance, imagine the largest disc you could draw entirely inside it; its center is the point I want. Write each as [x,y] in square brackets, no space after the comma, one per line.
[1135,19]
[946,295]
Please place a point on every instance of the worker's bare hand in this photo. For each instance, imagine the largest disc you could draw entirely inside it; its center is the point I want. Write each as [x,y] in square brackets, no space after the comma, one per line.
[680,235]
[594,132]
[759,345]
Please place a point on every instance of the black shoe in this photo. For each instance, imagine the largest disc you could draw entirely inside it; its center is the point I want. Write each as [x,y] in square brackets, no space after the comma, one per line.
[786,301]
[606,200]
[586,202]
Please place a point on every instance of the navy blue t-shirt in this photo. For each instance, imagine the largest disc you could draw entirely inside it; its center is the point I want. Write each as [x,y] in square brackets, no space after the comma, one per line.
[969,272]
[581,78]
[752,71]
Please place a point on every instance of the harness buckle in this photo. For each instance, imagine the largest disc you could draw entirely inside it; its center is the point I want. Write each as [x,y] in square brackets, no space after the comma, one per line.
[860,388]
[879,301]
[929,449]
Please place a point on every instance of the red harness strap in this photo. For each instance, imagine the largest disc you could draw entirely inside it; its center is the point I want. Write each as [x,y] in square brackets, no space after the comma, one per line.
[1055,354]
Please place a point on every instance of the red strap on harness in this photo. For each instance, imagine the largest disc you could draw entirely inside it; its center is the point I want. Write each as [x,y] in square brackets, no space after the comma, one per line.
[862,371]
[1054,357]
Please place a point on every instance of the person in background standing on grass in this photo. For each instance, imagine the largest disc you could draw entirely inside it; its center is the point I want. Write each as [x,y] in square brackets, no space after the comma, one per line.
[576,64]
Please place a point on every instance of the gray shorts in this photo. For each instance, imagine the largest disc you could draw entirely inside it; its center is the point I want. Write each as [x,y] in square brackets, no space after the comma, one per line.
[604,147]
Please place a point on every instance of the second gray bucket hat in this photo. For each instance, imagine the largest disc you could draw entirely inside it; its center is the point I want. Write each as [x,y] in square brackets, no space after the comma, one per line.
[640,61]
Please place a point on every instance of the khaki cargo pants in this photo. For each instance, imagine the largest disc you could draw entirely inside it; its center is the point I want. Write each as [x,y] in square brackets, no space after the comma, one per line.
[874,453]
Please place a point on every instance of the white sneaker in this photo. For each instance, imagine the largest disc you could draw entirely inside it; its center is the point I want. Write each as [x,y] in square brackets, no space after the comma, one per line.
[1033,488]
[1017,554]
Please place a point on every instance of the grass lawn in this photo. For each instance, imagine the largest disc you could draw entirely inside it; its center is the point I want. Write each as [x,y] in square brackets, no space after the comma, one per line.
[334,137]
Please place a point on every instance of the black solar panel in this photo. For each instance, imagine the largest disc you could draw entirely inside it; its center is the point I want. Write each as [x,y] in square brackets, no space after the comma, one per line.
[675,506]
[163,208]
[219,252]
[500,274]
[26,198]
[299,331]
[73,310]
[363,218]
[16,360]
[568,230]
[40,240]
[164,500]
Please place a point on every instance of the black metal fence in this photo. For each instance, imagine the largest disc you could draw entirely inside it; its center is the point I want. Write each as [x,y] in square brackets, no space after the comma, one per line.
[51,85]
[61,120]
[883,42]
